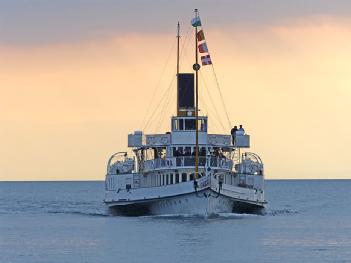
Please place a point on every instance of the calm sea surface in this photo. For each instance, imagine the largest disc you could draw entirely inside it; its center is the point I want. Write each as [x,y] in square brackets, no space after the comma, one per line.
[306,221]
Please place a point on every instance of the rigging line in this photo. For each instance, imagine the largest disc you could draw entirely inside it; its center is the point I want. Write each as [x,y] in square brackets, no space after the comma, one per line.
[221,95]
[158,83]
[163,112]
[181,53]
[170,103]
[160,103]
[185,42]
[218,86]
[209,112]
[157,113]
[217,116]
[168,99]
[212,102]
[166,108]
[219,119]
[217,125]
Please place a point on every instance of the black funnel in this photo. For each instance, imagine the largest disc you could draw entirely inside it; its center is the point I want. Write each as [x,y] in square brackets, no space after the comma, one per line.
[185,91]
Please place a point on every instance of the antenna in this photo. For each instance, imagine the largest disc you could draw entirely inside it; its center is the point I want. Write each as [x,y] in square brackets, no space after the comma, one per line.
[178,39]
[196,67]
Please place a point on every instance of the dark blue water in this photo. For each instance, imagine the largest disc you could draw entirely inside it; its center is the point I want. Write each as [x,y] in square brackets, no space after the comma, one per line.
[306,221]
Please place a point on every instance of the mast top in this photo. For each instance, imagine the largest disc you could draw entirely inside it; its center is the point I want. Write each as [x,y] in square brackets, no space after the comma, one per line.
[196,12]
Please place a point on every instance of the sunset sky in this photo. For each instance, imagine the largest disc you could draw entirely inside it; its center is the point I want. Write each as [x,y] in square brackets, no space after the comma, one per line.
[76,76]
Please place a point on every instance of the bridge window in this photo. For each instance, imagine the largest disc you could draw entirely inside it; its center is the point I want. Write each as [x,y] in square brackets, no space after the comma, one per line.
[190,124]
[178,124]
[203,125]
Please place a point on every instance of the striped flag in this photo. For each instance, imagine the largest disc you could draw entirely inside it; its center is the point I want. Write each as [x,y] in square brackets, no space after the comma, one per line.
[206,60]
[200,35]
[203,48]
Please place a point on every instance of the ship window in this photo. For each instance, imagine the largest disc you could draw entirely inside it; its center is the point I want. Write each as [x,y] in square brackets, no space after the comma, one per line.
[167,178]
[183,177]
[190,124]
[178,124]
[187,151]
[191,177]
[202,151]
[203,125]
[176,178]
[181,124]
[177,151]
[171,179]
[180,150]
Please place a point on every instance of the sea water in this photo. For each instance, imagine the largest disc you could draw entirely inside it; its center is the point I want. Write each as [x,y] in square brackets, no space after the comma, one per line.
[306,221]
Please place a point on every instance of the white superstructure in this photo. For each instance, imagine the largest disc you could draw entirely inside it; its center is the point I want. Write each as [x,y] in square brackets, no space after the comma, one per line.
[159,179]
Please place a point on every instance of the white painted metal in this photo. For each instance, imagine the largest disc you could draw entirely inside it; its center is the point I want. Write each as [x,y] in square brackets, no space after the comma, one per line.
[188,137]
[181,198]
[242,141]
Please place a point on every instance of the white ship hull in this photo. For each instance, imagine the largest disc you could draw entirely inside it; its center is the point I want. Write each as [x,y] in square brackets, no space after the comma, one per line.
[203,203]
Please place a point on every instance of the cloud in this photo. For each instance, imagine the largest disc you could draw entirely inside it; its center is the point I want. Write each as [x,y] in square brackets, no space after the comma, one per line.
[40,22]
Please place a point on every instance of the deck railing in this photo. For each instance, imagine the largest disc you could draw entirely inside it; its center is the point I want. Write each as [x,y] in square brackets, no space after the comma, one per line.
[185,161]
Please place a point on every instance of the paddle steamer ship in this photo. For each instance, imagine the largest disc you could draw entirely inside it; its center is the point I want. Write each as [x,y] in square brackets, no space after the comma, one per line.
[187,170]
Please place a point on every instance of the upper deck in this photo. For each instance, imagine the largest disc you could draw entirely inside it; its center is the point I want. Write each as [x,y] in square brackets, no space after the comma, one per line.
[183,133]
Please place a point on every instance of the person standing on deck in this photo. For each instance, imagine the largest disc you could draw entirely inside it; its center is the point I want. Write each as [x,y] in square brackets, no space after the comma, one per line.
[241,130]
[233,132]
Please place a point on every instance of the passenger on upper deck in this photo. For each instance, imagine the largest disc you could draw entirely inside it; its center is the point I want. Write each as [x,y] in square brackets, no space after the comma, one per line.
[187,151]
[176,152]
[241,130]
[233,132]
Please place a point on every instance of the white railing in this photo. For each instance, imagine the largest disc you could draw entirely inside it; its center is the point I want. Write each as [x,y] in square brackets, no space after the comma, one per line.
[219,139]
[185,161]
[158,139]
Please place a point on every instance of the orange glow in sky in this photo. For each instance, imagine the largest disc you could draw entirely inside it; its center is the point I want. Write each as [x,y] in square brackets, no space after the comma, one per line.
[65,107]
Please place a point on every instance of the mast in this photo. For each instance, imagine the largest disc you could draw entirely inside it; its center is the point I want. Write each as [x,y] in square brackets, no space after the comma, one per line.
[178,38]
[196,67]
